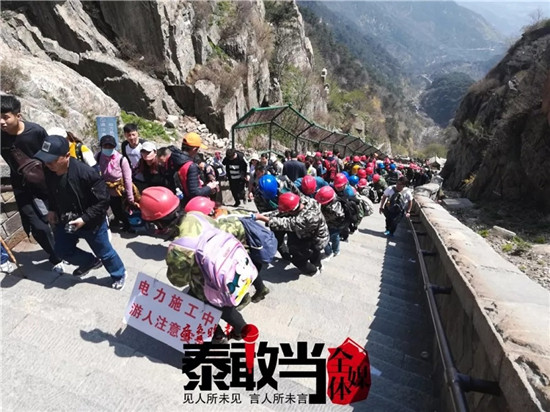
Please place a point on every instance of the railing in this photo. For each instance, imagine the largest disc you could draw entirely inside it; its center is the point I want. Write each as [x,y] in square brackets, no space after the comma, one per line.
[457,382]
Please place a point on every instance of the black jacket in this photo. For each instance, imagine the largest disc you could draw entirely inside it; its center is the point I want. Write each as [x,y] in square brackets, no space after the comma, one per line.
[89,188]
[192,180]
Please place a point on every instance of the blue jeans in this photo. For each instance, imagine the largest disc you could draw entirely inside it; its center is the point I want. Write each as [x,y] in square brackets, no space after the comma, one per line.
[98,240]
[334,245]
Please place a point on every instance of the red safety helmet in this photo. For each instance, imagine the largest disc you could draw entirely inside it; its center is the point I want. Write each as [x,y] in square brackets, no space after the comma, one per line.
[325,195]
[309,184]
[369,170]
[301,158]
[318,154]
[363,158]
[356,159]
[157,202]
[362,173]
[200,204]
[340,180]
[376,177]
[362,183]
[288,202]
[346,159]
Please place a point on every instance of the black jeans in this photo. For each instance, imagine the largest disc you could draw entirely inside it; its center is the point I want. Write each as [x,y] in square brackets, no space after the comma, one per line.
[118,211]
[304,255]
[392,219]
[37,224]
[237,189]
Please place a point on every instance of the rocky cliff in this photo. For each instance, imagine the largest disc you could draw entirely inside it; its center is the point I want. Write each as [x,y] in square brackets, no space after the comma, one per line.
[155,58]
[502,148]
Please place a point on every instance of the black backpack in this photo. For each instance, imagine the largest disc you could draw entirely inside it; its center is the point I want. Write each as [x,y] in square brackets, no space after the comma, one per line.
[397,203]
[351,212]
[177,158]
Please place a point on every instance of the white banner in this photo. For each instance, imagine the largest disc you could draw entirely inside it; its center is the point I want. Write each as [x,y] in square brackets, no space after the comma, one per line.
[169,315]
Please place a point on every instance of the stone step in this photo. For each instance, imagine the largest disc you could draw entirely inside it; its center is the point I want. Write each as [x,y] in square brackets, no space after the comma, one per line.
[375,402]
[400,394]
[400,317]
[413,296]
[412,347]
[398,375]
[399,359]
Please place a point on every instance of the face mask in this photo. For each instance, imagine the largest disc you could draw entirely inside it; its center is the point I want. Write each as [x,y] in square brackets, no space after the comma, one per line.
[107,152]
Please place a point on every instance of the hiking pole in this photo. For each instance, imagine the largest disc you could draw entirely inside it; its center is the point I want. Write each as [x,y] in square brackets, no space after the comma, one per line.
[12,258]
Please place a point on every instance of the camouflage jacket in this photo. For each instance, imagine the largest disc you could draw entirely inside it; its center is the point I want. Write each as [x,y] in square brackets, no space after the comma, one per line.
[285,186]
[334,214]
[381,184]
[309,224]
[182,267]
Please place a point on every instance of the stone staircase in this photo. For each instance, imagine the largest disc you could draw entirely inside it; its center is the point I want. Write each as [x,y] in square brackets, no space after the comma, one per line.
[63,339]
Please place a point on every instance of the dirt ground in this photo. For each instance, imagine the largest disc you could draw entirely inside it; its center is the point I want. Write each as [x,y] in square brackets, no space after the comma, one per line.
[528,250]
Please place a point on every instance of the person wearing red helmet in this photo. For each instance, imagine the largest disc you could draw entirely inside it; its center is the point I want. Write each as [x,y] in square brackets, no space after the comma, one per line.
[307,230]
[161,208]
[309,185]
[362,174]
[334,216]
[379,184]
[342,187]
[396,202]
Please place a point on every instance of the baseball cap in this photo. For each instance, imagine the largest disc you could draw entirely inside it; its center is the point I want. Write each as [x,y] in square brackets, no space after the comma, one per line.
[107,139]
[148,147]
[53,147]
[57,131]
[194,140]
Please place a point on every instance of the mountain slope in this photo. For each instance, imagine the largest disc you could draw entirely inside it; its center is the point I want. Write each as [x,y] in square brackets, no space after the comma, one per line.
[503,123]
[422,34]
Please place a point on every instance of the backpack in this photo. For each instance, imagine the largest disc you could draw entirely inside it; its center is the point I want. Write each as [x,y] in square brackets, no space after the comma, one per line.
[397,203]
[123,149]
[351,212]
[365,205]
[227,269]
[78,152]
[177,158]
[261,241]
[180,178]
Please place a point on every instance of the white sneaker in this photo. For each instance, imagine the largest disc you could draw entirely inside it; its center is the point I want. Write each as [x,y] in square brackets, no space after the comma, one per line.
[7,267]
[336,253]
[327,258]
[59,268]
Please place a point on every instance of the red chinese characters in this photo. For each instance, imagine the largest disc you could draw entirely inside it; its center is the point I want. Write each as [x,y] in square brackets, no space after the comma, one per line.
[348,370]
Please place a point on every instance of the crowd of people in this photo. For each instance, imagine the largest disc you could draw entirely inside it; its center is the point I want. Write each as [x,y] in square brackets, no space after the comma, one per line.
[307,204]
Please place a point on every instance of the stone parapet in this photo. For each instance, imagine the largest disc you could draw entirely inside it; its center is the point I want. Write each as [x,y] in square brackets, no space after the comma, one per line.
[497,320]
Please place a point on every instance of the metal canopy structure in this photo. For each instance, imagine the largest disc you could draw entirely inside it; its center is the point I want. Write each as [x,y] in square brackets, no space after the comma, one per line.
[292,129]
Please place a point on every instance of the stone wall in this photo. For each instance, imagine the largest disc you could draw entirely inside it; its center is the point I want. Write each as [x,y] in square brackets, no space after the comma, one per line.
[497,320]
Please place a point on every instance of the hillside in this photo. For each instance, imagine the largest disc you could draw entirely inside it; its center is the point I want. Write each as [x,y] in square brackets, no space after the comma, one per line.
[443,95]
[421,35]
[502,149]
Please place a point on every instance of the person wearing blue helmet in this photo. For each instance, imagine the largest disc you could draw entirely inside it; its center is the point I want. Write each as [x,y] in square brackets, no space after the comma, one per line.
[353,180]
[266,198]
[381,168]
[392,175]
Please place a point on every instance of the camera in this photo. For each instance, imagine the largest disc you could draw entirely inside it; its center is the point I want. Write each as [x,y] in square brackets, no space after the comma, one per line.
[69,217]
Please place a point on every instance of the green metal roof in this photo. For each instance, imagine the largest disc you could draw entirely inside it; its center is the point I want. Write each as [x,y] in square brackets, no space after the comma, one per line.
[290,127]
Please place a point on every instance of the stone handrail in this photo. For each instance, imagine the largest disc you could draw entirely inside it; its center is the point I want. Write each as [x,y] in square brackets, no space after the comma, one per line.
[497,320]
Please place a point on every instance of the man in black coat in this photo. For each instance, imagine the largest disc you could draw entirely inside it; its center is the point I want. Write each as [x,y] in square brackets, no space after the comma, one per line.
[27,138]
[237,173]
[78,203]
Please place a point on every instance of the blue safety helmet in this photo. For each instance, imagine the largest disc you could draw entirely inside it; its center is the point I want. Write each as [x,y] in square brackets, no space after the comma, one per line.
[353,180]
[346,174]
[268,186]
[392,166]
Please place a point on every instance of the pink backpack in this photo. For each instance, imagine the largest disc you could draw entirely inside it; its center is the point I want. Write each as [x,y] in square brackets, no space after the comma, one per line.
[224,262]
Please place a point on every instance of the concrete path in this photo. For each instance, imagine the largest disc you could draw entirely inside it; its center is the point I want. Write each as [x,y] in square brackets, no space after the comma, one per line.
[65,347]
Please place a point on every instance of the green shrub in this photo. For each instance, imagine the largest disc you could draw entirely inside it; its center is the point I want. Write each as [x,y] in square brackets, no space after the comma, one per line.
[147,130]
[507,247]
[541,240]
[483,233]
